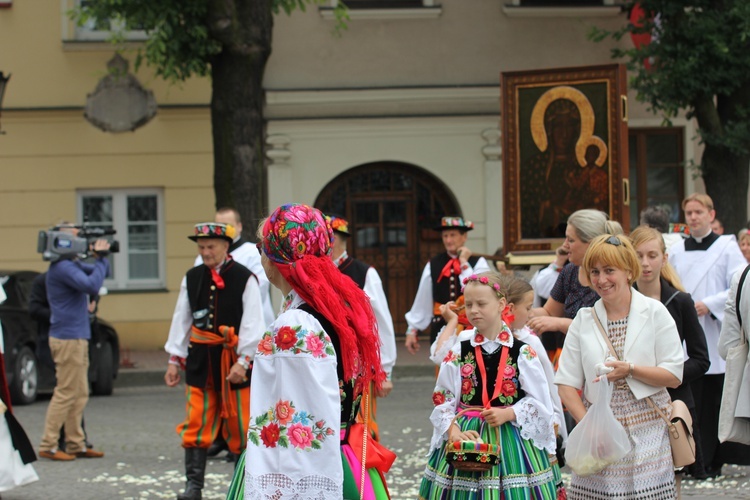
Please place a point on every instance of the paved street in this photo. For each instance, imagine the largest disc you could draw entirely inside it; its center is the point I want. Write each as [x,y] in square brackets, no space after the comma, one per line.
[135,428]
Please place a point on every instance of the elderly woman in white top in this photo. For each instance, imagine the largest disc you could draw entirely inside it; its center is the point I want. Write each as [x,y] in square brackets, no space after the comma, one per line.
[649,359]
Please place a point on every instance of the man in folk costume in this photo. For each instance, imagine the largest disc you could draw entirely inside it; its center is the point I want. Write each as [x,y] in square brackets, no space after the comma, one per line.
[367,279]
[441,282]
[216,327]
[706,262]
[245,253]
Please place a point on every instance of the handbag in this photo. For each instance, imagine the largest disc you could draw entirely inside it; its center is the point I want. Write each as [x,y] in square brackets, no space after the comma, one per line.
[680,426]
[732,428]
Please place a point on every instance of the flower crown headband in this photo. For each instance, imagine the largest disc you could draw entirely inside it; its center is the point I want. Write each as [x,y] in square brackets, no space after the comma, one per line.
[484,280]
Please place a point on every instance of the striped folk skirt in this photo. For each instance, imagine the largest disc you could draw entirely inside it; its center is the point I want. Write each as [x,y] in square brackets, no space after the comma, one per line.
[524,472]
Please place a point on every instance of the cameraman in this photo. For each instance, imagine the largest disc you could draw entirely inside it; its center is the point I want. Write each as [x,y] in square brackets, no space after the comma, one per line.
[70,283]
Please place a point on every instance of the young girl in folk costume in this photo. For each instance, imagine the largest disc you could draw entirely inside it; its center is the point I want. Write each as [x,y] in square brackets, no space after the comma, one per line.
[502,383]
[309,374]
[520,297]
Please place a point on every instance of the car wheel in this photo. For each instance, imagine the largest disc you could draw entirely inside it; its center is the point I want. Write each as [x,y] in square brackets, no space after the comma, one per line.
[105,372]
[25,378]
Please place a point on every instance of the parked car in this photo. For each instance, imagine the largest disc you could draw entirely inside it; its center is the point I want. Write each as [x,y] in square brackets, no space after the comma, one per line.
[26,376]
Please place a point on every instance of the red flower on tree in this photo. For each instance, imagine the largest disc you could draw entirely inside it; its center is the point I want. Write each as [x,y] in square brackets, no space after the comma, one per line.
[286,337]
[270,435]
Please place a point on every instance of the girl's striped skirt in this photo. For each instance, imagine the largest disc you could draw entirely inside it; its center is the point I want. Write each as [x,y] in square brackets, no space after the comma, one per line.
[524,472]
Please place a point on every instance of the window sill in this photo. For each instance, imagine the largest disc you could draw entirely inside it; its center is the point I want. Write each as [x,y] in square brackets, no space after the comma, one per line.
[599,11]
[97,45]
[385,14]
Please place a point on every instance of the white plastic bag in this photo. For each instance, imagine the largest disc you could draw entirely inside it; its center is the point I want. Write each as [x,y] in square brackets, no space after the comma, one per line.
[599,439]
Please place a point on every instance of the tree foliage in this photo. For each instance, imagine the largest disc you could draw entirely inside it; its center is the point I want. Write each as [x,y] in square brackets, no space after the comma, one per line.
[183,35]
[698,61]
[228,40]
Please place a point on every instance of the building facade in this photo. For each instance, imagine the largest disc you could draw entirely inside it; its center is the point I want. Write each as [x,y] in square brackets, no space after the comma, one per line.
[393,123]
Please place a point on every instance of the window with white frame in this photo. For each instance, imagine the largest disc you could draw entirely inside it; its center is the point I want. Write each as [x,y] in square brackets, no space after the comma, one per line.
[101,29]
[137,216]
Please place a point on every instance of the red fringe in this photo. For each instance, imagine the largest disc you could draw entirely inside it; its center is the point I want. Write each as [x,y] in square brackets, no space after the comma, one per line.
[334,295]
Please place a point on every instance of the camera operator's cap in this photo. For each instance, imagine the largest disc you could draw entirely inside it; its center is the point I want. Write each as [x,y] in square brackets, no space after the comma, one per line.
[206,230]
[455,223]
[338,224]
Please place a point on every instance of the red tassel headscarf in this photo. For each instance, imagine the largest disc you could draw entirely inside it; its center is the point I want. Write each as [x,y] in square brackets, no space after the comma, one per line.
[297,239]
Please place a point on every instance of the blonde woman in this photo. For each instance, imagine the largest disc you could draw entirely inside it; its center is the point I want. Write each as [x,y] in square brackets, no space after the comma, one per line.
[649,360]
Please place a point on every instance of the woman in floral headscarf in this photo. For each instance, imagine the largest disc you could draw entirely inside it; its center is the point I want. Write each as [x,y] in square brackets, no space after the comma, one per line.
[309,373]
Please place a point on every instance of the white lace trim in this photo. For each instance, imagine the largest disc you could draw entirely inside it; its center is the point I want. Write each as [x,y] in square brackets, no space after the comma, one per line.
[441,419]
[276,486]
[533,426]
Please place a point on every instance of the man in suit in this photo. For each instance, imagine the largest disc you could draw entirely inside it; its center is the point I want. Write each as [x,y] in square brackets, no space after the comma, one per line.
[734,332]
[706,262]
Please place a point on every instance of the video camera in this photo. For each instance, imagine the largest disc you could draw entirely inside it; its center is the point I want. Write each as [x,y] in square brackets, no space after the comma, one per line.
[55,244]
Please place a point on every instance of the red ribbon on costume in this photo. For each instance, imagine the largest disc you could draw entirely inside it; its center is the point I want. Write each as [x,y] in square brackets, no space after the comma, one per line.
[500,370]
[229,339]
[508,318]
[452,264]
[217,279]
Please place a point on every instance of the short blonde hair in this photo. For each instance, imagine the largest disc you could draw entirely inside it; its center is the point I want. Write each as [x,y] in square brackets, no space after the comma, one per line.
[701,198]
[744,234]
[616,251]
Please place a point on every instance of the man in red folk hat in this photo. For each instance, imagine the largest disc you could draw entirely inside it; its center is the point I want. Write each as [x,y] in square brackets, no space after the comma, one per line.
[216,327]
[442,280]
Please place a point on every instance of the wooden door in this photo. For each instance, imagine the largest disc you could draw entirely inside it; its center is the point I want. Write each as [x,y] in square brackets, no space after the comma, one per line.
[391,208]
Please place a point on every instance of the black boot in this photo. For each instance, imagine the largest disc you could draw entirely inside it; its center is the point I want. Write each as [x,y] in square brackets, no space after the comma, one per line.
[195,470]
[217,446]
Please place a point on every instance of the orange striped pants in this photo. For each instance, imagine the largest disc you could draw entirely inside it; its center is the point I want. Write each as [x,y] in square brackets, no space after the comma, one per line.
[203,419]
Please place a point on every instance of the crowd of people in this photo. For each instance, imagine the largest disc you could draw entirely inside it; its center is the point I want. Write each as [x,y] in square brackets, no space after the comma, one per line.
[520,365]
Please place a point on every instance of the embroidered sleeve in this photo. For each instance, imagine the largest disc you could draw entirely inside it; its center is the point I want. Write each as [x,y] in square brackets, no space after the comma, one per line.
[535,411]
[444,397]
[295,339]
[438,353]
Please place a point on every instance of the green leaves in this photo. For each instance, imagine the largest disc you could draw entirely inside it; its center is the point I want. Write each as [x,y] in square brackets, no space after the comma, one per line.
[698,58]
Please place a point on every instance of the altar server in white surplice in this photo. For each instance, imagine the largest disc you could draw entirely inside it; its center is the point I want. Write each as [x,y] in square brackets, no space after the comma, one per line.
[706,263]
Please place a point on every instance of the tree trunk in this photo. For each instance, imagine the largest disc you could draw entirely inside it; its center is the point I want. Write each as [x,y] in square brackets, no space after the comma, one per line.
[237,121]
[726,177]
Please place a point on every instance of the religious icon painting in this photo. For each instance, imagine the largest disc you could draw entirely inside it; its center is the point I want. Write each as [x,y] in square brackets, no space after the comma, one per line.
[564,149]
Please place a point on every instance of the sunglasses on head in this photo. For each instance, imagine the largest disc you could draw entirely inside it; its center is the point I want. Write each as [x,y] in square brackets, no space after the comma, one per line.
[614,240]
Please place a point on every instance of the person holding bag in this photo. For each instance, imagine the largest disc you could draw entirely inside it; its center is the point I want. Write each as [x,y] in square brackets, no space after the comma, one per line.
[734,415]
[649,359]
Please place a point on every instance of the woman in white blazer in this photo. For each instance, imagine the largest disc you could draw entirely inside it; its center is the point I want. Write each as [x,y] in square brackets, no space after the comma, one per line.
[650,359]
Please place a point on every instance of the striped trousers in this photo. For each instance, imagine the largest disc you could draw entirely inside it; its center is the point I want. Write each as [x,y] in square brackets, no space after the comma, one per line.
[203,419]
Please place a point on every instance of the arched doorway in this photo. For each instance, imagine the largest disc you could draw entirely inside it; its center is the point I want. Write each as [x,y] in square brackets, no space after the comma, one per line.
[392,209]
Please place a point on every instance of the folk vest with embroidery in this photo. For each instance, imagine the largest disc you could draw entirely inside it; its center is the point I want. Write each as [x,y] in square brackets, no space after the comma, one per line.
[471,378]
[212,308]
